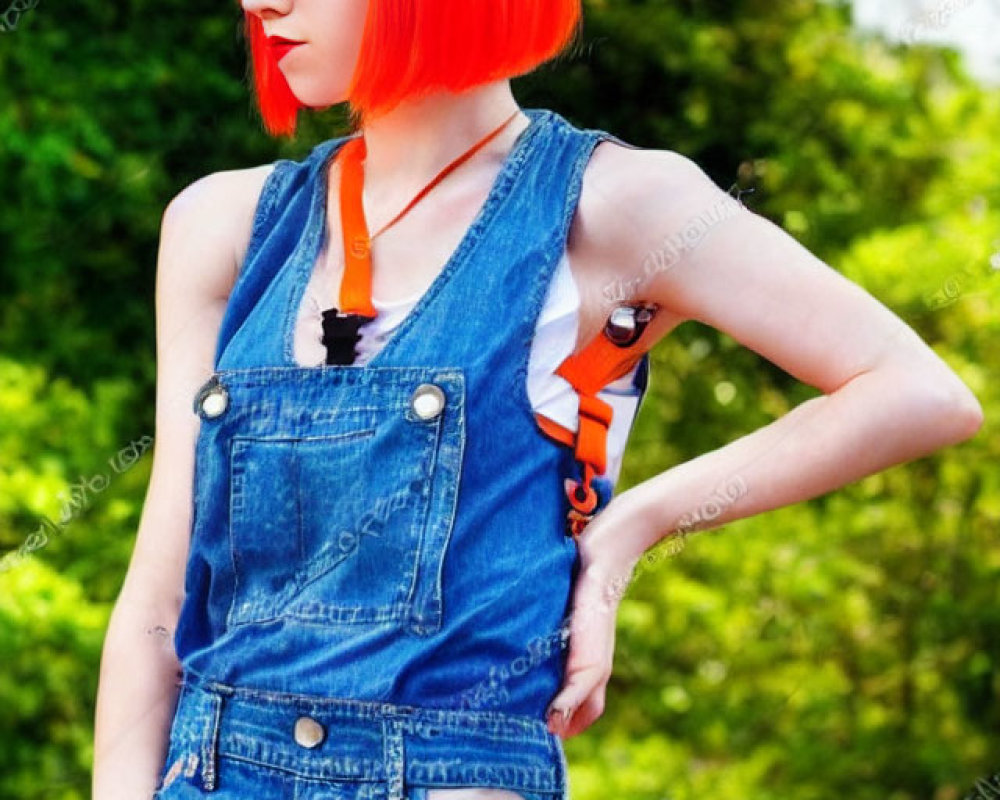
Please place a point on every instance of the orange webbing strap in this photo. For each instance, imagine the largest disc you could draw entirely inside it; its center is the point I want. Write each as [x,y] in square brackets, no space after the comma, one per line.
[589,371]
[356,284]
[554,430]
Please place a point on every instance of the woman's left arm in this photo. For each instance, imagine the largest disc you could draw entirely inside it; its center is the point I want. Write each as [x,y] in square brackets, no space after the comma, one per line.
[690,247]
[679,241]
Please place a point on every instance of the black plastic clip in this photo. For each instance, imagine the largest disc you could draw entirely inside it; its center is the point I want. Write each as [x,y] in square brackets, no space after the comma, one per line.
[341,335]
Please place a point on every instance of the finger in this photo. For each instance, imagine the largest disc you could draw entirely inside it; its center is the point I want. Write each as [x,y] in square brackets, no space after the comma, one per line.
[584,716]
[587,664]
[580,684]
[588,713]
[589,661]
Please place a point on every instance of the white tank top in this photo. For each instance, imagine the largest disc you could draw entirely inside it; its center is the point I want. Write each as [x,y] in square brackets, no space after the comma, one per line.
[555,337]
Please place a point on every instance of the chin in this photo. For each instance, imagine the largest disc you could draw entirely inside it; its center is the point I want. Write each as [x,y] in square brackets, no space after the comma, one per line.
[318,100]
[313,96]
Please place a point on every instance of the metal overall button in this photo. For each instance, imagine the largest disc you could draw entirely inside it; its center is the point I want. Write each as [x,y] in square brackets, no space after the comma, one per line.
[212,398]
[215,402]
[427,401]
[308,732]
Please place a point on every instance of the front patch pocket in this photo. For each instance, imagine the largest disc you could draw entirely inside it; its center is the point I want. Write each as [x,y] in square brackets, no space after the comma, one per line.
[345,527]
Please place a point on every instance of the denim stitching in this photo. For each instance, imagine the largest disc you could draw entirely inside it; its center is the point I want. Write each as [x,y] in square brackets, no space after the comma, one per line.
[270,191]
[502,725]
[395,762]
[210,742]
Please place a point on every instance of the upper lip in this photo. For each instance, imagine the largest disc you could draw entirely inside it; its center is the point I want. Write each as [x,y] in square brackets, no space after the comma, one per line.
[281,40]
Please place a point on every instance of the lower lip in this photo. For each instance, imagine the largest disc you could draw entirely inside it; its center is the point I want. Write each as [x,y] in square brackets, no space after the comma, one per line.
[281,50]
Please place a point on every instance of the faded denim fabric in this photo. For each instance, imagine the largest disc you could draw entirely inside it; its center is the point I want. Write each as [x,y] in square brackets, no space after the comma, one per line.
[381,549]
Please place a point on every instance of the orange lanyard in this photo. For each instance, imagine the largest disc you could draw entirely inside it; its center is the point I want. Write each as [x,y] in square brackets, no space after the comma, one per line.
[340,324]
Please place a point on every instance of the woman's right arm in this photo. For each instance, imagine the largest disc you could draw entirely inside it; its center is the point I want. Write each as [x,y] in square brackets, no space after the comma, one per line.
[203,235]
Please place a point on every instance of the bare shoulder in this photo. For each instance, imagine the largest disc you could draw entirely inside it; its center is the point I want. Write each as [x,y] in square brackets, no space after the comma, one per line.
[203,233]
[632,197]
[206,227]
[629,196]
[616,168]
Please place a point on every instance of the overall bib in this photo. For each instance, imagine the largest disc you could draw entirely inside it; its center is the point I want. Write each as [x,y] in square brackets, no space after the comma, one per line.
[379,576]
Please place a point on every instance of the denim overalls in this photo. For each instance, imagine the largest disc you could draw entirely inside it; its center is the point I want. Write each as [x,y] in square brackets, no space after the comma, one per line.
[379,577]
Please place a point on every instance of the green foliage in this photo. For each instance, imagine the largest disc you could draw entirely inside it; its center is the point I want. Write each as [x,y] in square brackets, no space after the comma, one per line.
[848,646]
[70,498]
[50,635]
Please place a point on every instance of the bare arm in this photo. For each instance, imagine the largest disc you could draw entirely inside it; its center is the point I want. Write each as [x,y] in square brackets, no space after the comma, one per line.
[888,397]
[672,237]
[139,675]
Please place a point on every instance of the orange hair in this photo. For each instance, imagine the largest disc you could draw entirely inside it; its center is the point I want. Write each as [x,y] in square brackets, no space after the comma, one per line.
[411,48]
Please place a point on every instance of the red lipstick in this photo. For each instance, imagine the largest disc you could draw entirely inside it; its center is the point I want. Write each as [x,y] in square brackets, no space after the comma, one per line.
[281,46]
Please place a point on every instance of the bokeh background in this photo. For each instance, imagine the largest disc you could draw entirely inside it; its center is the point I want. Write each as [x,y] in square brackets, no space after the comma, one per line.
[844,647]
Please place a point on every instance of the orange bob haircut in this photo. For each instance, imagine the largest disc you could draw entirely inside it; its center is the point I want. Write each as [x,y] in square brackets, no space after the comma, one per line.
[411,48]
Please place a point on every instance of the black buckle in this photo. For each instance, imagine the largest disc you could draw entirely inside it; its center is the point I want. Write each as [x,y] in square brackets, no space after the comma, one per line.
[340,335]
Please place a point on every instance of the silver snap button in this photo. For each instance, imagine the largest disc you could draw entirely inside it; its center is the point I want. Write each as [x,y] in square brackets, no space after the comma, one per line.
[215,401]
[308,732]
[620,327]
[427,401]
